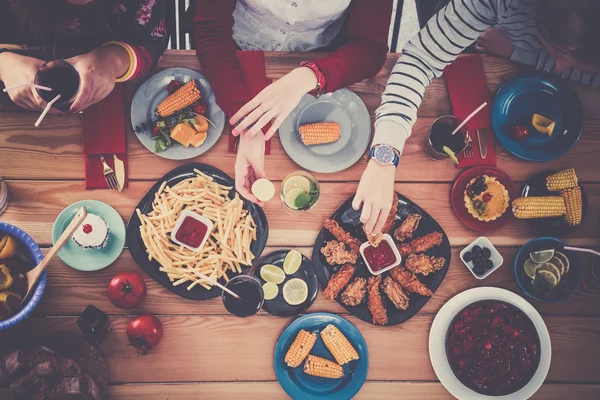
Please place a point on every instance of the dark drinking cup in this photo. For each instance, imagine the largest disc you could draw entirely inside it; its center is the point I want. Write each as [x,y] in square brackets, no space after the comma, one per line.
[440,136]
[251,293]
[62,78]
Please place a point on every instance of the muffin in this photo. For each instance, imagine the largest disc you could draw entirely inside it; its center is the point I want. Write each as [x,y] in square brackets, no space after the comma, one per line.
[485,198]
[92,233]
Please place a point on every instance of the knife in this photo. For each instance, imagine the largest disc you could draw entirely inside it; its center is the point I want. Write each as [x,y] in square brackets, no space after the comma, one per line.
[119,172]
[482,139]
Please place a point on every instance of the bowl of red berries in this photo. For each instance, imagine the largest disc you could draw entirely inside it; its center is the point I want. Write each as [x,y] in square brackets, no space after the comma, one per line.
[490,343]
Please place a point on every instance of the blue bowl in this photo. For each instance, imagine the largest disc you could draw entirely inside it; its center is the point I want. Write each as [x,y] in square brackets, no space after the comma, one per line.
[34,253]
[570,280]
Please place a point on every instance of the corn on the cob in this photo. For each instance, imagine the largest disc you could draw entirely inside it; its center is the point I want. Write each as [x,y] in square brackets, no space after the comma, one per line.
[183,97]
[561,180]
[538,207]
[323,368]
[338,345]
[319,133]
[573,204]
[300,348]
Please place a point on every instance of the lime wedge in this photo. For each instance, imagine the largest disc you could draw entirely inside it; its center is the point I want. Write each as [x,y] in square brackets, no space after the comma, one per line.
[292,262]
[548,277]
[272,273]
[450,153]
[558,263]
[530,267]
[550,268]
[271,290]
[296,182]
[295,291]
[290,197]
[542,256]
[564,259]
[263,189]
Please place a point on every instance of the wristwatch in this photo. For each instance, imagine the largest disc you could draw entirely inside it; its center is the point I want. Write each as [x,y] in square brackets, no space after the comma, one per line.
[385,154]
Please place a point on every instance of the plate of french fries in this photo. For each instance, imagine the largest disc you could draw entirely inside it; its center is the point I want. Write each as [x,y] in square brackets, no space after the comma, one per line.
[321,356]
[238,237]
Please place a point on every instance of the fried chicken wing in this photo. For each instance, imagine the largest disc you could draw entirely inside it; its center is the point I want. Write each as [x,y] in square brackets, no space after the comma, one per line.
[342,236]
[394,292]
[355,292]
[338,281]
[408,227]
[375,239]
[336,253]
[374,301]
[423,264]
[409,281]
[421,244]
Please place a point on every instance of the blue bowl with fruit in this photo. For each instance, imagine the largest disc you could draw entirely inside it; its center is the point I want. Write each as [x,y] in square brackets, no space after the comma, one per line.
[545,271]
[18,254]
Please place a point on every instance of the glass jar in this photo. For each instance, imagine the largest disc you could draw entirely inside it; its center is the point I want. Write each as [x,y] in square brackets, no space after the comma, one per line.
[3,195]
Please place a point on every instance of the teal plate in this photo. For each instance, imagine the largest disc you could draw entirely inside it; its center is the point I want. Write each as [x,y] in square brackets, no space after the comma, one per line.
[91,260]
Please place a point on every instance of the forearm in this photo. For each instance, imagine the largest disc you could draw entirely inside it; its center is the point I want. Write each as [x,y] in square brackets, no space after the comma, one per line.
[115,58]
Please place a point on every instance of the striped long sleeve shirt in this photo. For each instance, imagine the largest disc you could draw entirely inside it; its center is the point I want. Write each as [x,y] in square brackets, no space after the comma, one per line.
[443,38]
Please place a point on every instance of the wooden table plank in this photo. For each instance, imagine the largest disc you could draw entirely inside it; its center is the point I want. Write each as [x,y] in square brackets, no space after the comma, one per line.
[222,348]
[69,291]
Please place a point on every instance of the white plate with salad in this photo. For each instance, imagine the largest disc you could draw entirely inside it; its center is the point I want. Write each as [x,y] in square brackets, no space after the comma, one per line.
[166,129]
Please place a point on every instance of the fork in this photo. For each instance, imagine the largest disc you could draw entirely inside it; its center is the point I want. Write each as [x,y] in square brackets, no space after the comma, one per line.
[468,151]
[109,175]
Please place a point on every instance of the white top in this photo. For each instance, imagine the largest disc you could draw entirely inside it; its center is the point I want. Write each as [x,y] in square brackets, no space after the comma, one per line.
[98,234]
[287,25]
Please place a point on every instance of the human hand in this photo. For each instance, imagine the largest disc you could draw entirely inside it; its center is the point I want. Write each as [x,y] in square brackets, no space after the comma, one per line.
[249,165]
[15,70]
[274,103]
[494,42]
[376,194]
[98,71]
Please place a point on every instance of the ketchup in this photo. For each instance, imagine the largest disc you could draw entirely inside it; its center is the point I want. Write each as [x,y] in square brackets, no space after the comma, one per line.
[380,257]
[191,232]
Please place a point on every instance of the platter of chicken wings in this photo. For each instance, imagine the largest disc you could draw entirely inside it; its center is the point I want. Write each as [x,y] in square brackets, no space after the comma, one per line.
[382,279]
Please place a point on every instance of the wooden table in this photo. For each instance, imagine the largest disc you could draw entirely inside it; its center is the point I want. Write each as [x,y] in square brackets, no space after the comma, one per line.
[207,353]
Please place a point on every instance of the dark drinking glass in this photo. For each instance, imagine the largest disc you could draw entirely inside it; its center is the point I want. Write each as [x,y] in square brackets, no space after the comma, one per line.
[94,324]
[440,136]
[251,293]
[62,78]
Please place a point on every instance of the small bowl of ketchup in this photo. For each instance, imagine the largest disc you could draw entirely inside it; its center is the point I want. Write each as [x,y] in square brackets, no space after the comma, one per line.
[381,258]
[192,230]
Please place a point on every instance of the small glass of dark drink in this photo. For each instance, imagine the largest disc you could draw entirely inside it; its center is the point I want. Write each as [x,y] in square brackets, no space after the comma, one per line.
[62,78]
[251,293]
[440,136]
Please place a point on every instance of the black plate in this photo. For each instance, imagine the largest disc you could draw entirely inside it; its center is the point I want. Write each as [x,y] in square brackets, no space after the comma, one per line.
[278,306]
[138,250]
[349,219]
[556,226]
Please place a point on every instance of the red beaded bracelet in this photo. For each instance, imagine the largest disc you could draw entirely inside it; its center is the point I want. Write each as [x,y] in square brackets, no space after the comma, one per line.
[320,89]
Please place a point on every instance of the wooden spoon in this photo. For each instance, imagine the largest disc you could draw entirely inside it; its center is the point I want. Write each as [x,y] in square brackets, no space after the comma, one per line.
[34,275]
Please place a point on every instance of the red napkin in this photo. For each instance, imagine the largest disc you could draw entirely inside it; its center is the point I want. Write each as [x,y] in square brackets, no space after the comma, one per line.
[255,75]
[104,133]
[468,89]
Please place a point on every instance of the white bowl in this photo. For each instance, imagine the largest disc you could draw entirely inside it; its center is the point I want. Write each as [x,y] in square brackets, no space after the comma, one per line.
[390,241]
[496,257]
[186,213]
[439,329]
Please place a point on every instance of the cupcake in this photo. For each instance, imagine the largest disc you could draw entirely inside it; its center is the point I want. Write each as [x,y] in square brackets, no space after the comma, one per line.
[485,198]
[92,233]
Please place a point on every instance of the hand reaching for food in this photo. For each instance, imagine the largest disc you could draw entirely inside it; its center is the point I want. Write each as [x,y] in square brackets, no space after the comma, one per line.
[249,165]
[274,103]
[376,194]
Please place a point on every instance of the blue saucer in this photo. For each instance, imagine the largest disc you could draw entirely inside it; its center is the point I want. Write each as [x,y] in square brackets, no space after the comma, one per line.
[91,259]
[547,95]
[299,385]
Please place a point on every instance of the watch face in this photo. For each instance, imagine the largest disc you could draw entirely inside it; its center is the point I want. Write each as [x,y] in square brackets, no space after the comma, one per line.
[384,155]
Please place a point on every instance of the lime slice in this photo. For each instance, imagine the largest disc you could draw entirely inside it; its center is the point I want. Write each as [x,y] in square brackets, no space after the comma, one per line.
[530,267]
[557,262]
[271,290]
[550,268]
[548,277]
[564,259]
[542,256]
[290,197]
[292,262]
[451,154]
[272,273]
[263,189]
[295,291]
[296,182]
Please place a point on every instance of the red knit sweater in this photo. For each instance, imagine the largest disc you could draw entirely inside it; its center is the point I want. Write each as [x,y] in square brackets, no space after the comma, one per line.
[361,55]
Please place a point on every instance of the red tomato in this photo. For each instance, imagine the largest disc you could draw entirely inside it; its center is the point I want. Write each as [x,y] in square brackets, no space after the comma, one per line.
[127,290]
[521,132]
[144,332]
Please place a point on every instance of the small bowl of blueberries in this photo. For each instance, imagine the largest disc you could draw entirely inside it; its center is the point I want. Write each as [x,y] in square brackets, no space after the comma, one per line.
[481,258]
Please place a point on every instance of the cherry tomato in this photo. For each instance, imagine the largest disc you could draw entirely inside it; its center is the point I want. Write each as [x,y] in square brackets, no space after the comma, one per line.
[173,86]
[521,132]
[144,332]
[200,109]
[127,290]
